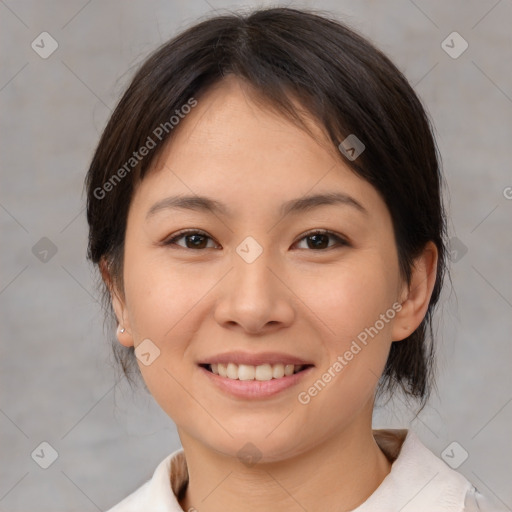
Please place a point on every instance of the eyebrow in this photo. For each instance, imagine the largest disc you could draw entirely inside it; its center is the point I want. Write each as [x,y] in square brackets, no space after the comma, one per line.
[207,204]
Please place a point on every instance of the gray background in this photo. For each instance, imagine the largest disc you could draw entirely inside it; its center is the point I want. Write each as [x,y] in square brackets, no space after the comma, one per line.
[57,384]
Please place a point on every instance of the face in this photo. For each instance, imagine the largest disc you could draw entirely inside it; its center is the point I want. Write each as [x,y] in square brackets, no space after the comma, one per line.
[262,280]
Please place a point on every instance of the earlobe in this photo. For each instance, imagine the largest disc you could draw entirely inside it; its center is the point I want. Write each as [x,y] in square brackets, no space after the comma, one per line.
[123,332]
[417,295]
[124,336]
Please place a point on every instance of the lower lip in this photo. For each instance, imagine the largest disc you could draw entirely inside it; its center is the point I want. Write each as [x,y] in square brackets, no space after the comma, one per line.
[255,388]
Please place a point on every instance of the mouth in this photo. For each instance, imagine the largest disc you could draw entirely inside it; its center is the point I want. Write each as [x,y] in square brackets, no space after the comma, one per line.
[262,372]
[250,382]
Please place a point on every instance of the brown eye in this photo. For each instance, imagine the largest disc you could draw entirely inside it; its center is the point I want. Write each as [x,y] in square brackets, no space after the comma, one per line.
[318,240]
[193,240]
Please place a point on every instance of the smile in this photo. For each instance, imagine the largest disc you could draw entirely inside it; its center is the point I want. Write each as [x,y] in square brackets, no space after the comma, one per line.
[248,382]
[262,372]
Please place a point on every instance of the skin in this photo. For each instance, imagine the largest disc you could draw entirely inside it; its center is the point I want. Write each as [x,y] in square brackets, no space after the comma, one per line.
[294,298]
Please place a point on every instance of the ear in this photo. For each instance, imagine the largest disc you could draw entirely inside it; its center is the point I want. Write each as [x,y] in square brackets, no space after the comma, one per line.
[125,337]
[416,297]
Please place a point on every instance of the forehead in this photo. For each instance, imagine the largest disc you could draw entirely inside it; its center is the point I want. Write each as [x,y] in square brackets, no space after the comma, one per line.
[232,116]
[233,147]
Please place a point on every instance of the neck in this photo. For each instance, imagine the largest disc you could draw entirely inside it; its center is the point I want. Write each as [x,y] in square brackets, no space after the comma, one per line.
[339,474]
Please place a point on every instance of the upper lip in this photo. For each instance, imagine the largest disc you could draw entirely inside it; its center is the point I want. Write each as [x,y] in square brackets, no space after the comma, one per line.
[254,359]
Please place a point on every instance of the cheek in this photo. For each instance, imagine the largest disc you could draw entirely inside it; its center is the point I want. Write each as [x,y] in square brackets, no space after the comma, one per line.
[160,297]
[350,297]
[161,303]
[354,306]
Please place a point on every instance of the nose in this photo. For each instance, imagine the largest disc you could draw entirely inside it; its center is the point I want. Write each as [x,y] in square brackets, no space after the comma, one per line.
[255,295]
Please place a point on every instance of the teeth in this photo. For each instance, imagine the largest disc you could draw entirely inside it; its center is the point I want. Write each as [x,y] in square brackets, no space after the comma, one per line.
[278,371]
[249,372]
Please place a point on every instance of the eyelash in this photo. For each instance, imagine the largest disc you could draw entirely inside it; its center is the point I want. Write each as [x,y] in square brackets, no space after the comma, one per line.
[172,241]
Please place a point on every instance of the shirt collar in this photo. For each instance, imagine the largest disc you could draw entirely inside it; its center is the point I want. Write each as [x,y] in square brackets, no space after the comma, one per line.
[418,482]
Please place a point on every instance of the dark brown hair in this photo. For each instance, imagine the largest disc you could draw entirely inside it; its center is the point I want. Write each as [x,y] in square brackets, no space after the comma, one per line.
[339,78]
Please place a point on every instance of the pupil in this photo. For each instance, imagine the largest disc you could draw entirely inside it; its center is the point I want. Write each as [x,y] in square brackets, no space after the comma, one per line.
[320,244]
[195,237]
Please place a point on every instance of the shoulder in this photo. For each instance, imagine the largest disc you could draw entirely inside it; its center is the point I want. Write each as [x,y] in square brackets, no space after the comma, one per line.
[477,502]
[159,493]
[134,501]
[419,481]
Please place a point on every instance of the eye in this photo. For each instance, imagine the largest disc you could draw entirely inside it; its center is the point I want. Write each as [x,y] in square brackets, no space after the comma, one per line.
[196,239]
[319,238]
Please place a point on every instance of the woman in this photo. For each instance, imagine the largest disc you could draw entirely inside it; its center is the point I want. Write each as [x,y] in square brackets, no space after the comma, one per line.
[265,210]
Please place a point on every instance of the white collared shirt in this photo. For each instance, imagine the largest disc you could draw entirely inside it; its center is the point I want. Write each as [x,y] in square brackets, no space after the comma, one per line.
[418,482]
